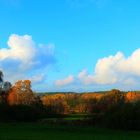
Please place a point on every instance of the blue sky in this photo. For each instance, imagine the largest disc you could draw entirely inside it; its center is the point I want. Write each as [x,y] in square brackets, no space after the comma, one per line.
[71,45]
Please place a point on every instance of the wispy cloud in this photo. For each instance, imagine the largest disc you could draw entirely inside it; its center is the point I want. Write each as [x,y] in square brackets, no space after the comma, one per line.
[66,81]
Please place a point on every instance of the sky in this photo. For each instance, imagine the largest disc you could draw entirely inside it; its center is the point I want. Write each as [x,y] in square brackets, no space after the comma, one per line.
[71,45]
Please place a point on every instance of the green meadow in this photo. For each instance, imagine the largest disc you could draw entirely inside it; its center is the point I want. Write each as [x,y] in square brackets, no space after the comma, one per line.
[38,131]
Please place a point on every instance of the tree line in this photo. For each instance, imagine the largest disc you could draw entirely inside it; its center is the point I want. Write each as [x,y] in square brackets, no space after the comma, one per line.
[114,109]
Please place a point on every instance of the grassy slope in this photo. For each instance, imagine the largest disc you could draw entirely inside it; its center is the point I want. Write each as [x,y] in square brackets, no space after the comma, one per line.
[28,131]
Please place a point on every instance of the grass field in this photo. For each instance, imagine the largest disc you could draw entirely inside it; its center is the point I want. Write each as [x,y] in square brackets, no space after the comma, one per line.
[28,131]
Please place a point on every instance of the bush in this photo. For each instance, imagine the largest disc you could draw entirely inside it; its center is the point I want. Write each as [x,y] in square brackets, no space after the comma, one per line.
[126,116]
[20,113]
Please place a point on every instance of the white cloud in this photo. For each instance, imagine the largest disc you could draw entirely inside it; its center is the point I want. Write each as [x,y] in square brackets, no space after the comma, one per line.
[37,78]
[85,77]
[114,69]
[63,82]
[23,58]
[21,48]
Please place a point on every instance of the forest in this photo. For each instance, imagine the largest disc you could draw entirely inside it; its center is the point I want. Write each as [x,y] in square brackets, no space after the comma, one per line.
[19,103]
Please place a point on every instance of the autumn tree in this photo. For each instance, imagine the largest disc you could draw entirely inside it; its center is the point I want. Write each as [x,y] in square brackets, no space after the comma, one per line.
[21,93]
[132,96]
[56,103]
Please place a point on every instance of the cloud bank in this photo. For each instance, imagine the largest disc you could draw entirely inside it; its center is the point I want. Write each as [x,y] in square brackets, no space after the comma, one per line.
[23,58]
[114,69]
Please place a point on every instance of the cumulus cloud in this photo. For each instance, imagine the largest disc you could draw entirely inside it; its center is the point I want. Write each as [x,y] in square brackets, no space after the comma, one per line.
[63,82]
[23,57]
[114,69]
[21,48]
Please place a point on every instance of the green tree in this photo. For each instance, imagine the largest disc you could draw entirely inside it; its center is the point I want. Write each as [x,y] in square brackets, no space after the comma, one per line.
[1,76]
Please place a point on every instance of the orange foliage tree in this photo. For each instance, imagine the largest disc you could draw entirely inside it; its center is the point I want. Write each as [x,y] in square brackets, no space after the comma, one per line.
[21,93]
[55,103]
[132,96]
